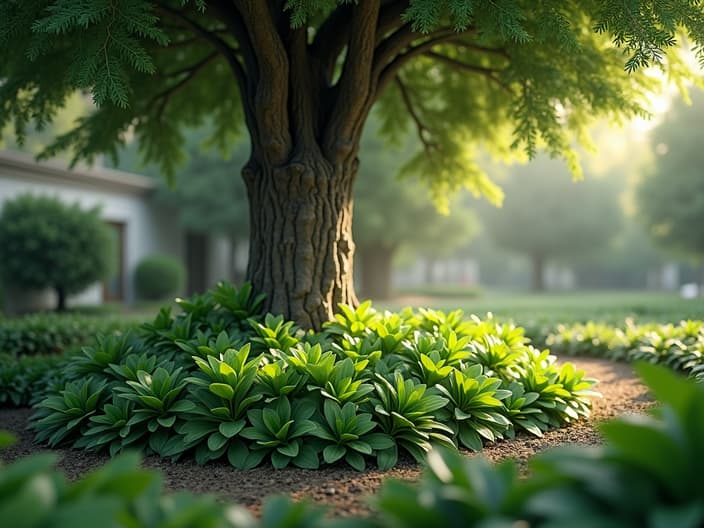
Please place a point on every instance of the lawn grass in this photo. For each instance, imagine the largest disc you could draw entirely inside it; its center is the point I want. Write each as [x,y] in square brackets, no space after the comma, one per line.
[526,308]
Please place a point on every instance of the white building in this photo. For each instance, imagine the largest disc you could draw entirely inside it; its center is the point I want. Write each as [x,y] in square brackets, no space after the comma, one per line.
[140,227]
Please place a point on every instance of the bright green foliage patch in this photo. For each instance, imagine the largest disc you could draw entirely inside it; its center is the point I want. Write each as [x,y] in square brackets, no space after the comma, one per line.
[626,483]
[221,380]
[681,346]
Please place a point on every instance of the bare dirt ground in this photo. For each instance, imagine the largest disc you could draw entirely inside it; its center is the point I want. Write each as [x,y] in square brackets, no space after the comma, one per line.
[346,491]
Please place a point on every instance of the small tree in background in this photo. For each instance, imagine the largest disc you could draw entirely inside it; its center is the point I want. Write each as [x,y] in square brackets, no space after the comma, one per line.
[670,197]
[545,215]
[45,243]
[390,216]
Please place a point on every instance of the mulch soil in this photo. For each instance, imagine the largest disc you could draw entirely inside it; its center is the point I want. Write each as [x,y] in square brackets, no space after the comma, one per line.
[344,490]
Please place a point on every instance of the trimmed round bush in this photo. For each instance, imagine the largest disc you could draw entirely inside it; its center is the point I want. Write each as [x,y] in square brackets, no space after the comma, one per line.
[158,277]
[45,243]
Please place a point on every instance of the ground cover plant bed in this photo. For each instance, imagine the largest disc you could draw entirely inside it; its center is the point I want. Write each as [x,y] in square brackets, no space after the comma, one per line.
[345,490]
[223,381]
[624,483]
[679,346]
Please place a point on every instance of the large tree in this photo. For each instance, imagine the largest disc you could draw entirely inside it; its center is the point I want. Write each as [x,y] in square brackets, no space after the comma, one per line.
[546,216]
[670,196]
[303,75]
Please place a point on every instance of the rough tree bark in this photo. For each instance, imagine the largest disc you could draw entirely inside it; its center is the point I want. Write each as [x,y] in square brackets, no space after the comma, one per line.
[301,248]
[376,271]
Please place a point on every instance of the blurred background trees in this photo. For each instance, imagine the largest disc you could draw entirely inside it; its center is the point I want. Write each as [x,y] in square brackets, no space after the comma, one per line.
[670,197]
[547,216]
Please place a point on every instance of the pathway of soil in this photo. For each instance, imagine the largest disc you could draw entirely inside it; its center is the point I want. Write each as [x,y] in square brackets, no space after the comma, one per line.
[342,488]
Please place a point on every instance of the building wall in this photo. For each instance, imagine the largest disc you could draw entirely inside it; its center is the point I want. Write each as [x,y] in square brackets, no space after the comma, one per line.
[148,230]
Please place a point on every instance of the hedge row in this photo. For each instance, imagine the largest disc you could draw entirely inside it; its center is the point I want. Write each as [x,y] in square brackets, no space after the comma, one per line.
[51,333]
[221,380]
[28,380]
[681,346]
[648,473]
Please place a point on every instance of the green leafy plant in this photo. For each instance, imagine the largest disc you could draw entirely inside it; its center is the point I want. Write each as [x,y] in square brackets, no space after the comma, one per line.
[108,350]
[522,411]
[278,379]
[274,333]
[353,321]
[624,483]
[347,435]
[64,416]
[476,406]
[156,409]
[278,430]
[342,384]
[218,380]
[241,303]
[223,392]
[107,429]
[405,411]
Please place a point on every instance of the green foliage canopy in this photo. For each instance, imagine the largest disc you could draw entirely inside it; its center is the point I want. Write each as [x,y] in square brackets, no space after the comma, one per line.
[462,73]
[45,243]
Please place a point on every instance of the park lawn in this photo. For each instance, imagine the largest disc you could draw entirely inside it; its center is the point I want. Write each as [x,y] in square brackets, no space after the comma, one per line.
[526,308]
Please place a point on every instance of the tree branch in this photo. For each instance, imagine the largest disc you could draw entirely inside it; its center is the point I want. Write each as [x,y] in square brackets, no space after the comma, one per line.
[420,126]
[218,43]
[390,17]
[162,98]
[330,39]
[305,100]
[501,52]
[271,88]
[384,73]
[489,73]
[355,88]
[193,67]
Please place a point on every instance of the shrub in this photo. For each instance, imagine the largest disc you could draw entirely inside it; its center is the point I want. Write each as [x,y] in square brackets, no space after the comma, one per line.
[222,380]
[45,243]
[648,473]
[55,333]
[159,277]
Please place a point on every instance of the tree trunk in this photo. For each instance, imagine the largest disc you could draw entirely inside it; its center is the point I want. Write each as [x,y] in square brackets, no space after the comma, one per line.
[376,271]
[301,249]
[61,299]
[429,270]
[538,271]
